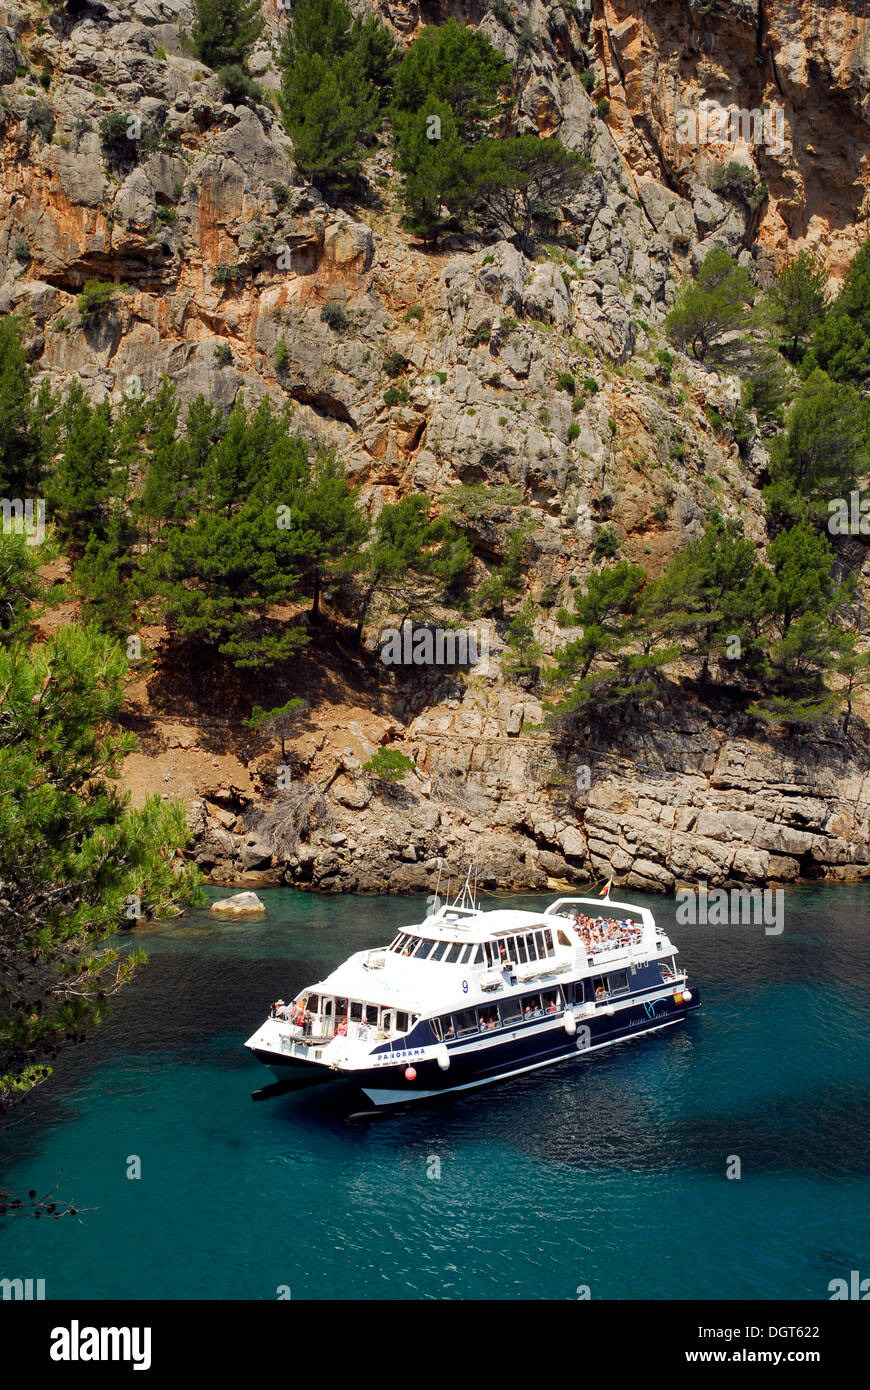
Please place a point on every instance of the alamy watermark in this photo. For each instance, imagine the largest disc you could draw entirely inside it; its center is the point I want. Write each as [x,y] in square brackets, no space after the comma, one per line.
[741,907]
[850,518]
[712,124]
[435,646]
[25,518]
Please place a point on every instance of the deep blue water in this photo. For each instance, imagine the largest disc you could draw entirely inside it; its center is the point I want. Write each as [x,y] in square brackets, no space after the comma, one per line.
[607,1171]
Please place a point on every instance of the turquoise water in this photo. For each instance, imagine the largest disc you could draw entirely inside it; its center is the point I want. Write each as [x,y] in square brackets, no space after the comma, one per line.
[606,1172]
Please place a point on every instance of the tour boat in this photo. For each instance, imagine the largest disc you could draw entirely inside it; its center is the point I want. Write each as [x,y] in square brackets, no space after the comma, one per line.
[468,997]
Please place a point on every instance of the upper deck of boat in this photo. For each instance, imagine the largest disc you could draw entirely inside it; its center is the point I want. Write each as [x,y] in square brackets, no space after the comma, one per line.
[475,924]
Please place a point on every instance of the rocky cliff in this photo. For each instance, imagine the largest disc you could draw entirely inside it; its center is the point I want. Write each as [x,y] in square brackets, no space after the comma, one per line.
[222,245]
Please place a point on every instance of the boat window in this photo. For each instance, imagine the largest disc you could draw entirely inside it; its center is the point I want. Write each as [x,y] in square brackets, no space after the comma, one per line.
[313,1002]
[394,944]
[454,953]
[478,956]
[548,938]
[355,1013]
[436,1028]
[465,1023]
[341,1008]
[371,1013]
[577,992]
[522,955]
[562,939]
[487,1019]
[425,950]
[599,986]
[440,948]
[531,947]
[467,953]
[541,944]
[446,1026]
[327,1006]
[511,1011]
[531,1005]
[618,982]
[552,1001]
[402,1022]
[409,945]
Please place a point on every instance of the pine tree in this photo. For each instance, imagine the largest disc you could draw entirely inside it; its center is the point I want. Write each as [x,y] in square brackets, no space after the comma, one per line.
[75,862]
[411,559]
[458,66]
[225,31]
[26,437]
[80,484]
[435,168]
[333,88]
[327,529]
[824,448]
[841,343]
[798,302]
[518,179]
[711,308]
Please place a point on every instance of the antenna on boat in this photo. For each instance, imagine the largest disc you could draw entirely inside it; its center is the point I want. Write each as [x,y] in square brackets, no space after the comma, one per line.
[466,898]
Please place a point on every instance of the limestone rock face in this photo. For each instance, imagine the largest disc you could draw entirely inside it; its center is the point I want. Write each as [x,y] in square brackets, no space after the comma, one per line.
[538,372]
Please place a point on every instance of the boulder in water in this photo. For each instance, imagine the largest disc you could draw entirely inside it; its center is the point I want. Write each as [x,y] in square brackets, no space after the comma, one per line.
[239,905]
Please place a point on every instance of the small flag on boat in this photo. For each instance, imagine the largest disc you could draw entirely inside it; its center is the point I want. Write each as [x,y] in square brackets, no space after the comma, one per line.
[605,892]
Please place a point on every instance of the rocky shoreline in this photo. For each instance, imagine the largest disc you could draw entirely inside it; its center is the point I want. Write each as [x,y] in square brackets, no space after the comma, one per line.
[670,800]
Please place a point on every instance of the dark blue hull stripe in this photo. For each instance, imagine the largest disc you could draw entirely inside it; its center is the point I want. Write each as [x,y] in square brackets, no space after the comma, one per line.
[477,1065]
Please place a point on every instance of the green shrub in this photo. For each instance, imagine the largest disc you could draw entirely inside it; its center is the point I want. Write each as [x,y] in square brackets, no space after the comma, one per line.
[333,314]
[566,382]
[573,430]
[22,251]
[587,78]
[606,543]
[41,117]
[96,295]
[223,355]
[238,88]
[507,326]
[736,180]
[397,395]
[394,364]
[281,193]
[167,217]
[228,274]
[282,355]
[602,106]
[479,337]
[415,312]
[388,765]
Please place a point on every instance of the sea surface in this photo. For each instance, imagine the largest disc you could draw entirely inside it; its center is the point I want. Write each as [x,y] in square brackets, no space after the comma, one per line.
[606,1173]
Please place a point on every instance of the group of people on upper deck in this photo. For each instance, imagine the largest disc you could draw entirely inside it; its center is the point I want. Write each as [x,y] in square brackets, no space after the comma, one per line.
[605,933]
